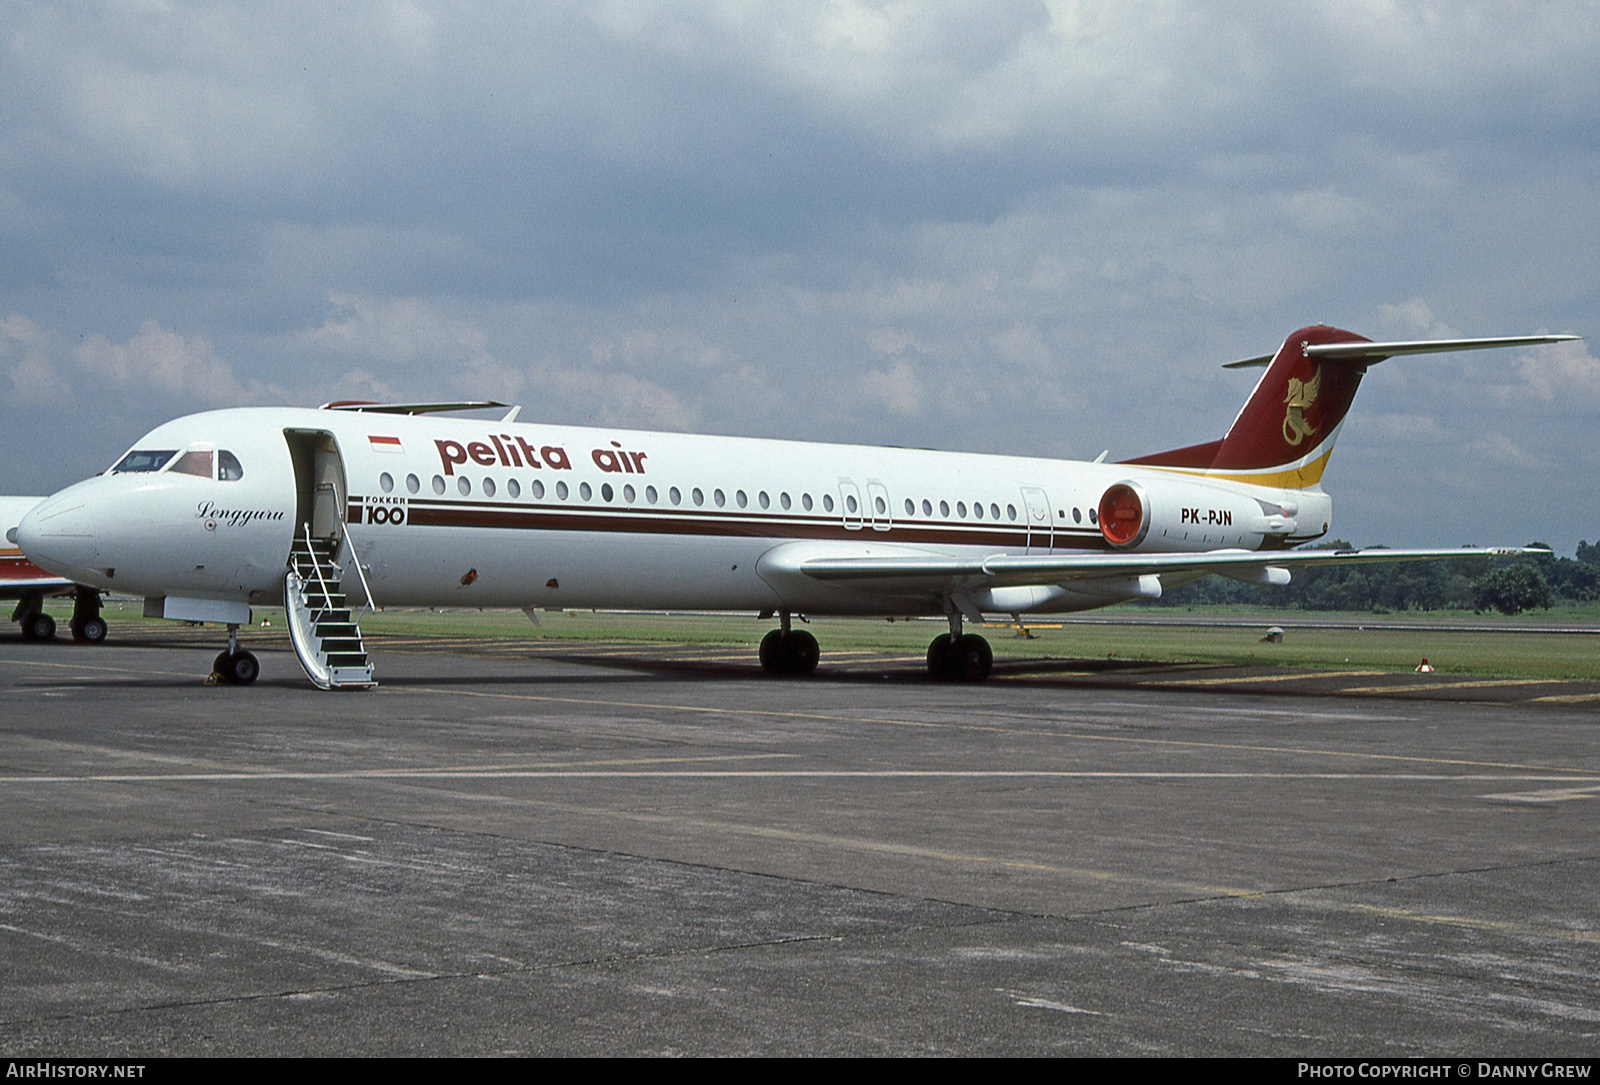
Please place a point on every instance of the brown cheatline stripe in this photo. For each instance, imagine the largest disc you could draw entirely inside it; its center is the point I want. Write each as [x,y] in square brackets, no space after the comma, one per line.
[687,522]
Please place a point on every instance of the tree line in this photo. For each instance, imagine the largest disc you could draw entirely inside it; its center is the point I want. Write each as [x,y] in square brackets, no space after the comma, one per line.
[1508,585]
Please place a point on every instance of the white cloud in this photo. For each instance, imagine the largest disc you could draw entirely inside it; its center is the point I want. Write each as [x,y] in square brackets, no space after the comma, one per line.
[1502,451]
[178,367]
[396,330]
[982,225]
[1023,345]
[1327,212]
[655,348]
[1403,428]
[1413,319]
[412,28]
[895,388]
[26,355]
[606,398]
[1561,372]
[156,365]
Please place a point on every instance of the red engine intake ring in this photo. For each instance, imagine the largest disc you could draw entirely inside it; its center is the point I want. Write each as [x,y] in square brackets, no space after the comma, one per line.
[1124,515]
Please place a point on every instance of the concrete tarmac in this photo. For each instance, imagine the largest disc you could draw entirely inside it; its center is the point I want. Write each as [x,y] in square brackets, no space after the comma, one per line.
[512,848]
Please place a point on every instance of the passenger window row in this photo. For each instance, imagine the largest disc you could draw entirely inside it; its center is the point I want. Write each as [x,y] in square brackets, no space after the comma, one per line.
[961,509]
[608,493]
[697,498]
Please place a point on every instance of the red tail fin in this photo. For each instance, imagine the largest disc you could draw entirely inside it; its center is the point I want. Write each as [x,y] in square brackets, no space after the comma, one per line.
[1286,431]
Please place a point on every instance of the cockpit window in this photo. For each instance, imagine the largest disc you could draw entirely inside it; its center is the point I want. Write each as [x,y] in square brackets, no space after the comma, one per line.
[141,459]
[229,469]
[194,462]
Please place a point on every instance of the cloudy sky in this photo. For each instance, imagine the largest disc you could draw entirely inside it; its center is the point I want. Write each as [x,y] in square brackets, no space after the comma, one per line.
[1033,227]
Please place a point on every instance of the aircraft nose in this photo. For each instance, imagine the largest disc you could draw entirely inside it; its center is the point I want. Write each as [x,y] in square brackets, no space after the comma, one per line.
[59,534]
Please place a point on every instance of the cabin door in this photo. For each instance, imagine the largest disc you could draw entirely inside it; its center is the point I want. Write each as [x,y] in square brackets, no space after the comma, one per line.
[879,513]
[319,480]
[1041,525]
[850,504]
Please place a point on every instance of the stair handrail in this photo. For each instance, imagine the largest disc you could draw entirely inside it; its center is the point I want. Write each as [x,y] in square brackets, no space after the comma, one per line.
[316,566]
[355,559]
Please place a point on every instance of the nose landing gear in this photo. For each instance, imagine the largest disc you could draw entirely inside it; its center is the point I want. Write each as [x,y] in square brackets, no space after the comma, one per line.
[87,625]
[235,667]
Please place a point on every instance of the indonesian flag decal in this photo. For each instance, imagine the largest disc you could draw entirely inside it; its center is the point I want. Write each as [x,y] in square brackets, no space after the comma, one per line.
[384,444]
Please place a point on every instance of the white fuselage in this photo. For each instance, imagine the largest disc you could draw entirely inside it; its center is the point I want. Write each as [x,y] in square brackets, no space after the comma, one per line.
[460,512]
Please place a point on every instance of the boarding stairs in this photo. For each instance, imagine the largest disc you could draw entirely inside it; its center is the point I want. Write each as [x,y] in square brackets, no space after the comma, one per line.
[325,633]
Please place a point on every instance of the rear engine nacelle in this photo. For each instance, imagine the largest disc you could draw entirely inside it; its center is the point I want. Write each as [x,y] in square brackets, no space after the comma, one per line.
[1163,515]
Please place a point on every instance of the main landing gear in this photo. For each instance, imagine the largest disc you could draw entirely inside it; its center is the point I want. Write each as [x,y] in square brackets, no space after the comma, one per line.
[789,652]
[952,657]
[30,617]
[958,657]
[235,667]
[35,624]
[87,625]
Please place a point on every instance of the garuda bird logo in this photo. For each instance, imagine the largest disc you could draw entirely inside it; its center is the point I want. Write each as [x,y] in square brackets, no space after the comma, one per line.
[1302,394]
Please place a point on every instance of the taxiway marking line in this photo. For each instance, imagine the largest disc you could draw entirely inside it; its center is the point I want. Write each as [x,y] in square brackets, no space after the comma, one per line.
[95,667]
[534,769]
[1555,794]
[1465,922]
[1265,678]
[1307,897]
[825,717]
[558,773]
[1486,683]
[892,722]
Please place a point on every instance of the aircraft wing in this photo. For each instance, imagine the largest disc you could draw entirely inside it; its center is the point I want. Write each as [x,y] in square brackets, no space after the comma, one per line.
[898,571]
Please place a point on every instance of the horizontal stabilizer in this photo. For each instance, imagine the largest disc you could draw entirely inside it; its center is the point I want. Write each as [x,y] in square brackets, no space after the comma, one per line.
[1377,352]
[1260,361]
[1380,351]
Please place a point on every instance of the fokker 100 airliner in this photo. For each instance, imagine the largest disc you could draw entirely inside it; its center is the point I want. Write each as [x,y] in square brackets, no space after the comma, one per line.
[214,513]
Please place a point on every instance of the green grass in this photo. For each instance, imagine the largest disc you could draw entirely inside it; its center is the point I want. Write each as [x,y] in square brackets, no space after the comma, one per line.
[1498,654]
[1511,655]
[1564,614]
[1492,654]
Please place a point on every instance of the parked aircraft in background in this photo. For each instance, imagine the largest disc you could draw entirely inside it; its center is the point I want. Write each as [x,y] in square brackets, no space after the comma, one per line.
[29,585]
[214,513]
